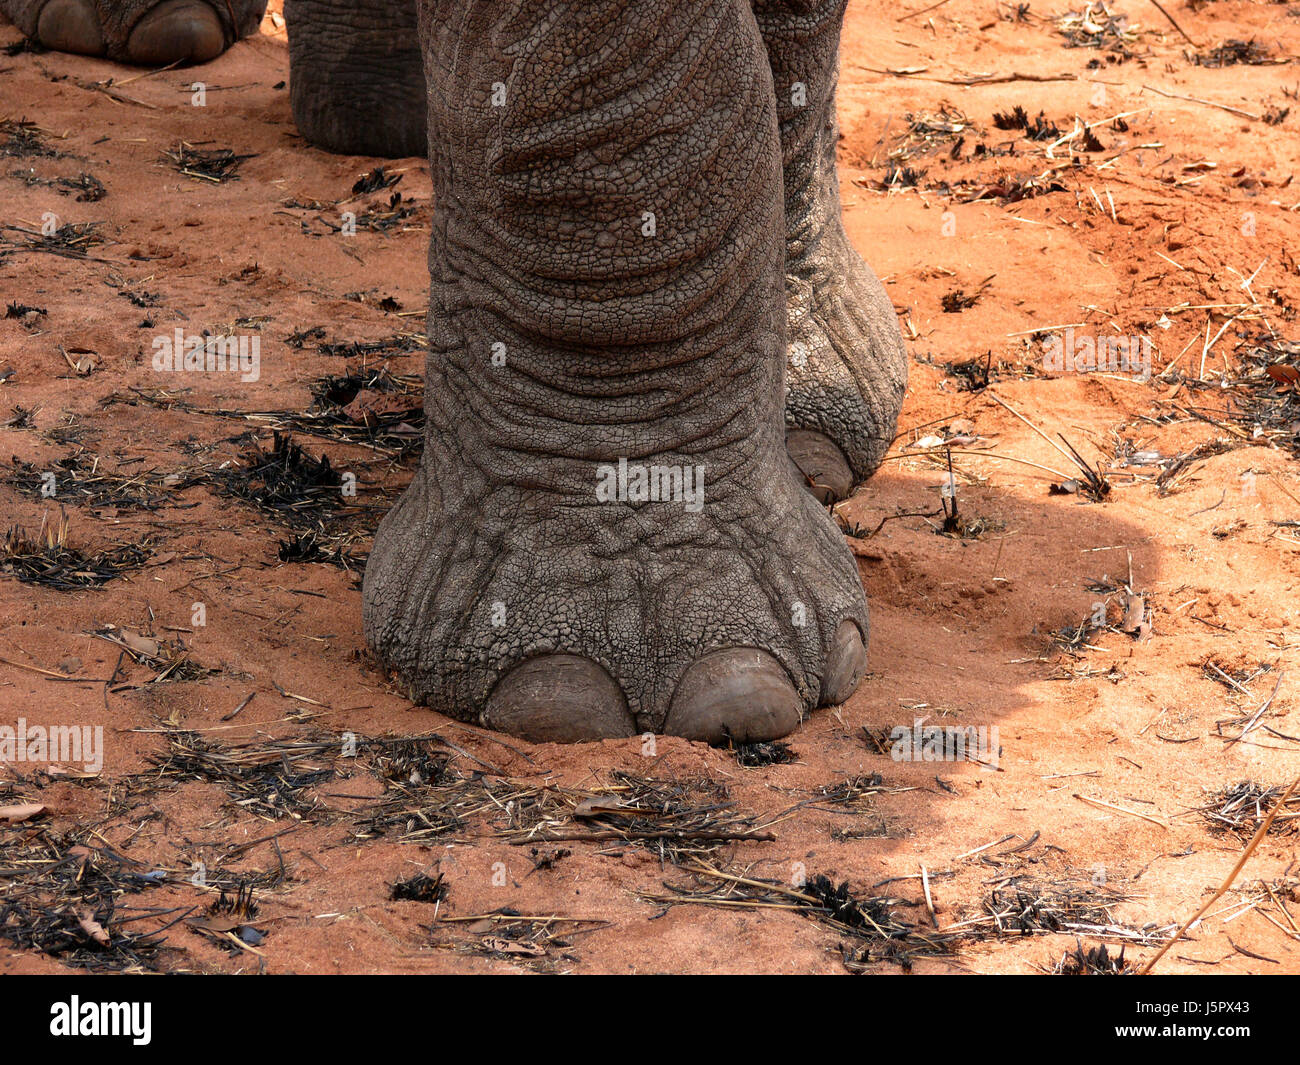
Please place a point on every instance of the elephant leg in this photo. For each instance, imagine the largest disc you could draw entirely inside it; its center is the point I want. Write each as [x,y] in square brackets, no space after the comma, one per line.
[848,366]
[605,535]
[356,79]
[146,32]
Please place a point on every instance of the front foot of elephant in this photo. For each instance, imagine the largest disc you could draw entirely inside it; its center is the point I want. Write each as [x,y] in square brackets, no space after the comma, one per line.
[580,619]
[356,77]
[606,535]
[143,32]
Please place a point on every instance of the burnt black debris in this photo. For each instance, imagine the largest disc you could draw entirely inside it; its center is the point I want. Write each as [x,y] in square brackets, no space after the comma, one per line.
[286,481]
[752,755]
[1093,961]
[216,165]
[1038,129]
[419,888]
[376,179]
[49,559]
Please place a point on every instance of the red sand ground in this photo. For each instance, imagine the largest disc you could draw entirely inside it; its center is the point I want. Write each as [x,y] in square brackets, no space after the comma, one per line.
[1156,228]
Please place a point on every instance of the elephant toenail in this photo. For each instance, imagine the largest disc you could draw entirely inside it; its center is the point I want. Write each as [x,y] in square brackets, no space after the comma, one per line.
[846,664]
[70,26]
[741,694]
[186,31]
[558,698]
[822,462]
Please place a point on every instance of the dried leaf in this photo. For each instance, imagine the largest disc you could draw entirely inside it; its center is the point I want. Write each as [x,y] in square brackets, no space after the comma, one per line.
[140,644]
[1135,611]
[25,812]
[1284,375]
[56,772]
[509,946]
[599,805]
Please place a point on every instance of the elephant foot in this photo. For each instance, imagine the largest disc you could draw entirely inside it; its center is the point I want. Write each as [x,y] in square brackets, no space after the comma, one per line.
[356,76]
[584,619]
[144,32]
[606,535]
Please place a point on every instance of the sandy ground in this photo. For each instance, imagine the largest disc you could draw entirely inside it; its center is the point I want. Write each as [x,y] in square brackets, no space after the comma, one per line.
[1176,221]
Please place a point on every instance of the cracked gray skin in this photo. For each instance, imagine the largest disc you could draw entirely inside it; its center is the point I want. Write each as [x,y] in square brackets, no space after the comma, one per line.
[565,335]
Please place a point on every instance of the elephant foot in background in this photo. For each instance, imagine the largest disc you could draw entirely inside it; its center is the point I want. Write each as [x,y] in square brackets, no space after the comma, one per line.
[847,367]
[146,32]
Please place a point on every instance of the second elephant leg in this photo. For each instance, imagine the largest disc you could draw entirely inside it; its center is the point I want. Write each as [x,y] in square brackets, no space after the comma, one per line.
[847,367]
[356,78]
